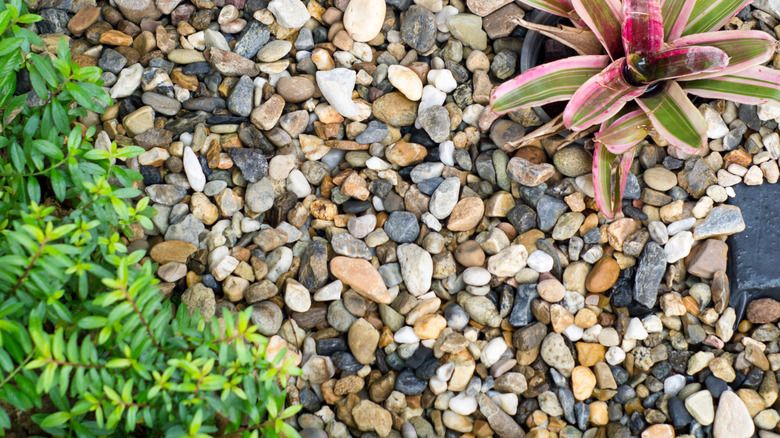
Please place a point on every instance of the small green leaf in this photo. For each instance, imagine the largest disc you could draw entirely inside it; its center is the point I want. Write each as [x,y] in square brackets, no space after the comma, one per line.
[57,184]
[63,51]
[56,419]
[17,157]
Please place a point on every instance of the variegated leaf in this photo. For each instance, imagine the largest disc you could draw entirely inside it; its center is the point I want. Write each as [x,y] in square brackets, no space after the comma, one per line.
[624,132]
[709,15]
[754,86]
[610,173]
[745,48]
[675,118]
[561,8]
[685,61]
[551,82]
[600,98]
[605,19]
[675,16]
[643,29]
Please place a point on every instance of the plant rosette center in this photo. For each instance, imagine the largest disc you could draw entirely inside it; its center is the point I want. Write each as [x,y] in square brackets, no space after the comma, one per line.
[657,53]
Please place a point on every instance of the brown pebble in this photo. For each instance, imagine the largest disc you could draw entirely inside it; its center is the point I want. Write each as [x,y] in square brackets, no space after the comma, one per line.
[603,276]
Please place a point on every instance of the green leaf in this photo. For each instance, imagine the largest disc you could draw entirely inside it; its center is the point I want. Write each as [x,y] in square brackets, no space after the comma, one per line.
[47,148]
[8,45]
[46,70]
[5,422]
[38,83]
[82,97]
[34,189]
[290,411]
[97,154]
[57,184]
[63,51]
[92,322]
[59,116]
[197,420]
[56,419]
[17,157]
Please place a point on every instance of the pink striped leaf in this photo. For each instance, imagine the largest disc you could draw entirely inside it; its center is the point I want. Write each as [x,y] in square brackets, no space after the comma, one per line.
[621,134]
[551,82]
[675,118]
[745,48]
[755,86]
[600,98]
[709,15]
[610,173]
[678,63]
[561,8]
[604,18]
[643,29]
[676,14]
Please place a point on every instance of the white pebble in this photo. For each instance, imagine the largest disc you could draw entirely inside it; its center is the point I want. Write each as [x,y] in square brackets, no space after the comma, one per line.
[297,183]
[658,232]
[615,356]
[681,225]
[653,324]
[540,261]
[635,330]
[431,96]
[673,384]
[405,335]
[493,351]
[678,247]
[437,385]
[445,371]
[573,332]
[472,114]
[193,170]
[431,221]
[463,404]
[446,153]
[592,334]
[476,276]
[507,402]
[443,80]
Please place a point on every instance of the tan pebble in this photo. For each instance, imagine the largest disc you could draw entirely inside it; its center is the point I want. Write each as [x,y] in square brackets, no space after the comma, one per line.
[551,290]
[582,382]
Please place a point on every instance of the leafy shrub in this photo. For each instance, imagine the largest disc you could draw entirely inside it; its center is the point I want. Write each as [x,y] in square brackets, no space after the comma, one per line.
[657,52]
[83,329]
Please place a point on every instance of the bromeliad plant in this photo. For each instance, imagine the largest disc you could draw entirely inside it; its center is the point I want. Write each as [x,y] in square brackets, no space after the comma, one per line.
[657,52]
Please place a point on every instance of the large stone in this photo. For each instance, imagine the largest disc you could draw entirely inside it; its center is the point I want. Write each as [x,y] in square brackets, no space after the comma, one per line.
[416,268]
[651,269]
[695,177]
[723,220]
[363,19]
[137,10]
[500,421]
[361,276]
[732,419]
[363,339]
[336,86]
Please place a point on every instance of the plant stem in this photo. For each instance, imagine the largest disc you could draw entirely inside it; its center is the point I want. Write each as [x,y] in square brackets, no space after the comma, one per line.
[18,368]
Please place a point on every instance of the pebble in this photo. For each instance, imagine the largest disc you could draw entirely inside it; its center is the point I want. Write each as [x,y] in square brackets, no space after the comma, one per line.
[406,81]
[345,190]
[336,86]
[291,14]
[732,419]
